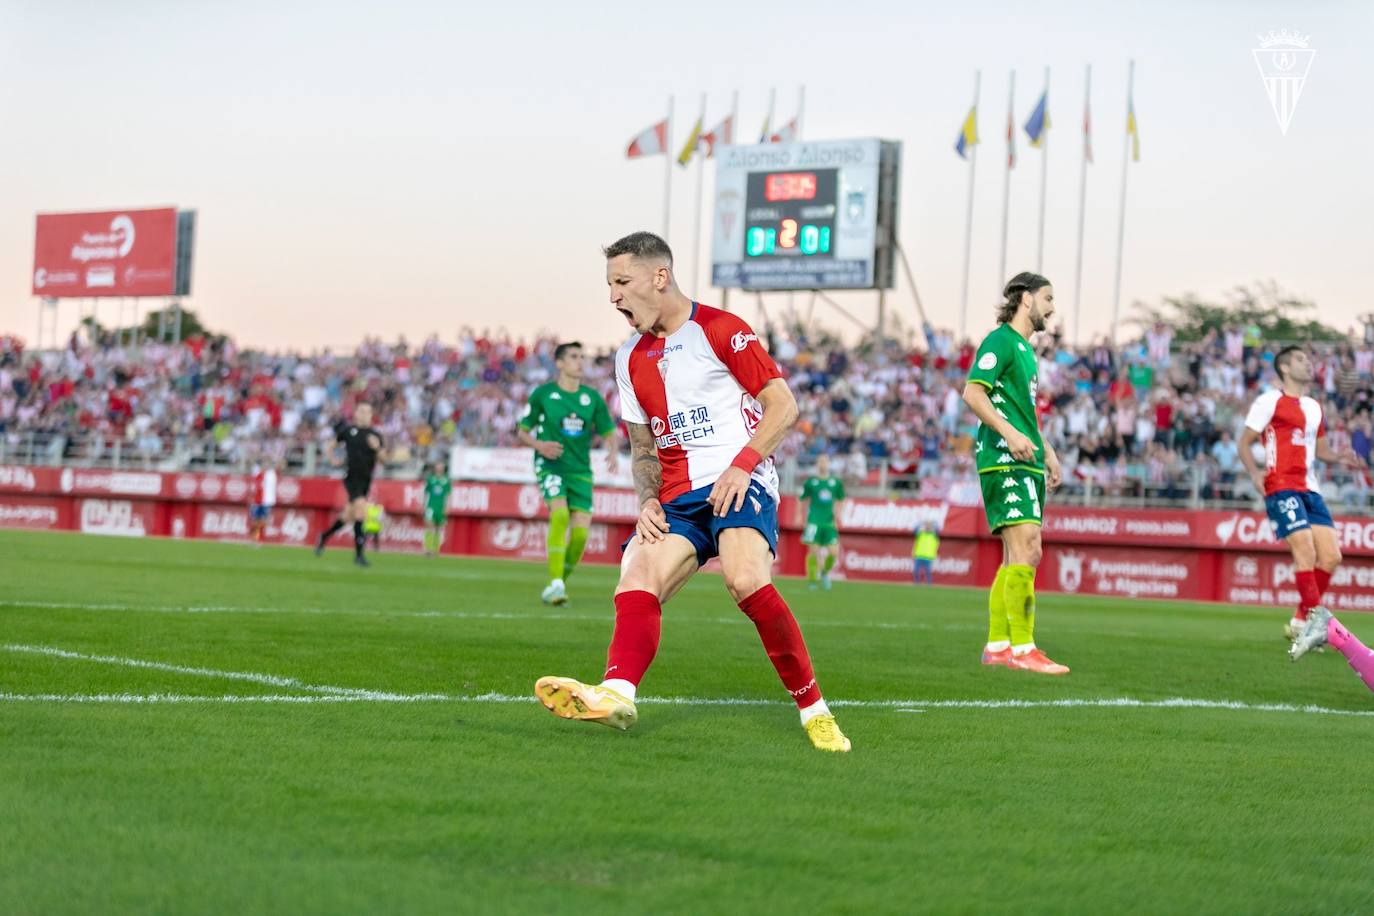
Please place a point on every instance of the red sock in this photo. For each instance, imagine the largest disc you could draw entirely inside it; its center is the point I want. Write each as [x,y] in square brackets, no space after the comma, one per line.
[783,641]
[1308,593]
[1323,581]
[635,640]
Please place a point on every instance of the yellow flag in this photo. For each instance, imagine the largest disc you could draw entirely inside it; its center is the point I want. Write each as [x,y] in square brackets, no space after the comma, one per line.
[689,148]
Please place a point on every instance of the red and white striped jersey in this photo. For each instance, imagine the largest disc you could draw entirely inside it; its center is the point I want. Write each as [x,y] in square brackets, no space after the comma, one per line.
[1290,427]
[265,487]
[696,390]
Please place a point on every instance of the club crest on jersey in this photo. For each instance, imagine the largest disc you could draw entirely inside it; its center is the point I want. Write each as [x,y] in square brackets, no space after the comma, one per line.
[657,426]
[752,412]
[663,368]
[585,400]
[741,340]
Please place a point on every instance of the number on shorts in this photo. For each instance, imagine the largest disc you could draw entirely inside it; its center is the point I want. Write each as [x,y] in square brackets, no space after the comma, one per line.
[1034,497]
[552,484]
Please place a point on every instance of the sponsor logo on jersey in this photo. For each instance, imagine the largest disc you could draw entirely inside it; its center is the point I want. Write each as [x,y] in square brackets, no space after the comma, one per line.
[741,340]
[1013,513]
[555,396]
[657,426]
[1008,483]
[1012,497]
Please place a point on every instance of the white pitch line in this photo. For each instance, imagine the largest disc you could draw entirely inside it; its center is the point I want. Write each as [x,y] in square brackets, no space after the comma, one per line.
[270,680]
[901,706]
[737,620]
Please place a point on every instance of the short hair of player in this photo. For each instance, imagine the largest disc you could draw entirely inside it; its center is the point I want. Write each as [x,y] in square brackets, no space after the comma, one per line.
[642,246]
[1024,282]
[563,348]
[1283,358]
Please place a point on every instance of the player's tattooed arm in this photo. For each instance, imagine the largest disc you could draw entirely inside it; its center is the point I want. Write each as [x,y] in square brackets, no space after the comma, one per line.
[644,466]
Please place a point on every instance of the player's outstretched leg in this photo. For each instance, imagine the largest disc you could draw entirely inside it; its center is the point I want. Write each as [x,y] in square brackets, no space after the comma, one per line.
[782,639]
[1322,628]
[634,644]
[329,533]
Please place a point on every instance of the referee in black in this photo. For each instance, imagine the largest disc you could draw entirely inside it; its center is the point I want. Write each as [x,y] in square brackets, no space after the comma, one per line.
[362,444]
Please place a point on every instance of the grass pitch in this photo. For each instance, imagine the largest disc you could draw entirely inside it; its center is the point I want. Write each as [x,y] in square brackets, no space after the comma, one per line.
[195,727]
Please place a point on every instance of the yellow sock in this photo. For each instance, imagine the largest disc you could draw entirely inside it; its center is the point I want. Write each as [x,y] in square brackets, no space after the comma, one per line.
[1018,593]
[999,629]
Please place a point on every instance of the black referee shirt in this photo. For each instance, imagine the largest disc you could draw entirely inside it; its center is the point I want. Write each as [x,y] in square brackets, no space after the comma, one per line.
[361,457]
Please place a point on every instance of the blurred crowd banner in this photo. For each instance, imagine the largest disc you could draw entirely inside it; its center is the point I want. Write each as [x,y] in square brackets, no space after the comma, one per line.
[1136,553]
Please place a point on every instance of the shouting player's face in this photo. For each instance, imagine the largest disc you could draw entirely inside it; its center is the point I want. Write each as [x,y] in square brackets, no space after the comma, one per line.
[636,286]
[1041,307]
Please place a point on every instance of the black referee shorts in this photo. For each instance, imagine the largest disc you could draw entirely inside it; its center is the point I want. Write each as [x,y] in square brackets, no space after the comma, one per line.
[357,487]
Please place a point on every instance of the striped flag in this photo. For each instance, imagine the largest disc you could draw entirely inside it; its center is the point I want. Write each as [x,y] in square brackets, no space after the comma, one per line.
[968,134]
[723,133]
[785,134]
[1087,132]
[1011,142]
[652,141]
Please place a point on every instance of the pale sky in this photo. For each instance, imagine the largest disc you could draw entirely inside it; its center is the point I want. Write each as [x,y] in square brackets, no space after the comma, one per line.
[410,166]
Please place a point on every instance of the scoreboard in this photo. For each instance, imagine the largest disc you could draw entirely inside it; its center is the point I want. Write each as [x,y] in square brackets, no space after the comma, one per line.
[805,215]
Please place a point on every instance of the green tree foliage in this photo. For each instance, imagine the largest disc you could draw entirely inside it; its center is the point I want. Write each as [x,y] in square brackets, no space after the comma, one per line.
[1278,314]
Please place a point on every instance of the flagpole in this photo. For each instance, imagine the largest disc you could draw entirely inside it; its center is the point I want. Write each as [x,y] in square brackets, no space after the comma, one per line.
[734,126]
[1044,174]
[1121,227]
[801,107]
[1006,187]
[768,118]
[696,231]
[968,216]
[668,171]
[1082,206]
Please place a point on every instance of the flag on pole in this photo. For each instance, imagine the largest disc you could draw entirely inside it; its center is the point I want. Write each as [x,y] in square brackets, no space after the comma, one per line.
[785,134]
[1132,130]
[653,141]
[968,134]
[1087,132]
[723,133]
[1039,120]
[1011,142]
[767,130]
[689,148]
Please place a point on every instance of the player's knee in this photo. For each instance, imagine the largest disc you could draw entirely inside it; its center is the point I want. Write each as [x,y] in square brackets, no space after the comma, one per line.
[1331,560]
[743,583]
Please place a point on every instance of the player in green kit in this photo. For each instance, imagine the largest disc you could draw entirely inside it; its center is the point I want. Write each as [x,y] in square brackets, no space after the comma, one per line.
[558,423]
[437,490]
[822,495]
[1015,467]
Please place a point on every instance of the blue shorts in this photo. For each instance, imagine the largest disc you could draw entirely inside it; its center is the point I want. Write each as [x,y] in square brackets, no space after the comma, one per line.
[1297,510]
[259,513]
[691,516]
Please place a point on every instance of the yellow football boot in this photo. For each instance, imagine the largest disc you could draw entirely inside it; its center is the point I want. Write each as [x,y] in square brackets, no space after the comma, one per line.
[826,735]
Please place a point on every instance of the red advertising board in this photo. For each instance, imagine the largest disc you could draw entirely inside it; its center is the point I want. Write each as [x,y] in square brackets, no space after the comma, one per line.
[1268,579]
[1135,572]
[887,558]
[39,514]
[114,253]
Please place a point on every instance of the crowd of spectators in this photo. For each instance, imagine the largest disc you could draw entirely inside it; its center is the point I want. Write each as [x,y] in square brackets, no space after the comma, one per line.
[1154,417]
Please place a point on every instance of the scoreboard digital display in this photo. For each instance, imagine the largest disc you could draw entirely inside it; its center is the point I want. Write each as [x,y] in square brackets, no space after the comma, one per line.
[805,215]
[790,214]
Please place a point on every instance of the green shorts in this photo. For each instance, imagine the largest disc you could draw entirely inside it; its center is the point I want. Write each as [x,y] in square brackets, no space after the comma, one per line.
[436,515]
[820,535]
[1013,497]
[576,490]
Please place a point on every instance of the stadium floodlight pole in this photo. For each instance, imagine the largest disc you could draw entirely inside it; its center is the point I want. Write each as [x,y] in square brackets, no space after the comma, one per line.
[668,171]
[1006,186]
[968,216]
[1044,175]
[1121,226]
[696,226]
[1082,204]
